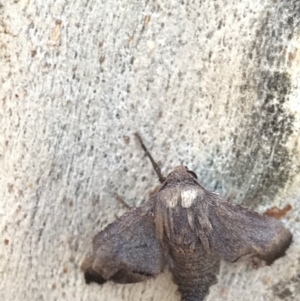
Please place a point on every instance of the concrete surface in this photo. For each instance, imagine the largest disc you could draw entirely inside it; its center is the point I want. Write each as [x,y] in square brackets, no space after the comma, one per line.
[210,84]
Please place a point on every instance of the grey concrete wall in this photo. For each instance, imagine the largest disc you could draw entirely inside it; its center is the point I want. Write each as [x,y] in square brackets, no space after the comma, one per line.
[210,84]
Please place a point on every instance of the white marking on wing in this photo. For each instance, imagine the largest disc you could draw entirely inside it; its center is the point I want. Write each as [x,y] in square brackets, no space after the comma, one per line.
[188,197]
[173,199]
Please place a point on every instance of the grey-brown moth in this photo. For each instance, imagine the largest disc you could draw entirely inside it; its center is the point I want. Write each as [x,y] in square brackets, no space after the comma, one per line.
[187,229]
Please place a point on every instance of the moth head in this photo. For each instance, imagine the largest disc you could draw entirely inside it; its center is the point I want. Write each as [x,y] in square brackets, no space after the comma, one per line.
[181,172]
[192,173]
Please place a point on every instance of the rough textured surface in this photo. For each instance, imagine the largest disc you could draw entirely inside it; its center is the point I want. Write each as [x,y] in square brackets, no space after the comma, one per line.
[210,84]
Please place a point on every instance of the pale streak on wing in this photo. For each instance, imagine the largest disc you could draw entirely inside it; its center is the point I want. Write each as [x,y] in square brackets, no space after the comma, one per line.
[163,215]
[203,225]
[188,197]
[169,223]
[170,197]
[159,220]
[190,217]
[203,235]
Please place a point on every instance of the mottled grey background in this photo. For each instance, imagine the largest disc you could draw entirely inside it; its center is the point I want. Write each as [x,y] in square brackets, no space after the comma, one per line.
[214,85]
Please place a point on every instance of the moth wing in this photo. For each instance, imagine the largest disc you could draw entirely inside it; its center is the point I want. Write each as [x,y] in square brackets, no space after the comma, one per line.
[234,231]
[127,250]
[90,275]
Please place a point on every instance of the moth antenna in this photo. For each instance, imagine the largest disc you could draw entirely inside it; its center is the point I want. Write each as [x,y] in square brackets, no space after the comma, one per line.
[154,164]
[119,199]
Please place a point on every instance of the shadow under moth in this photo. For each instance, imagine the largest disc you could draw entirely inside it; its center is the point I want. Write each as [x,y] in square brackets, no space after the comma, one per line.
[188,229]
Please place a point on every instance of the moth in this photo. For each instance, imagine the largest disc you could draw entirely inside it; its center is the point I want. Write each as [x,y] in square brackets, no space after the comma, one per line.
[187,229]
